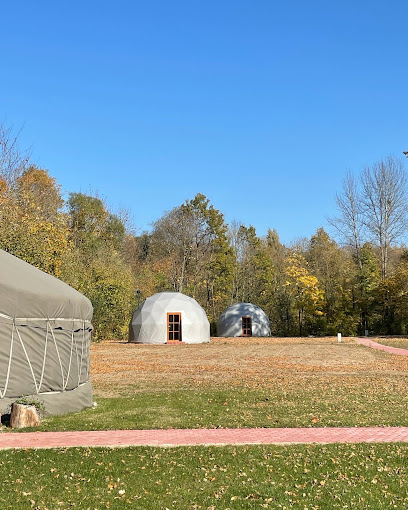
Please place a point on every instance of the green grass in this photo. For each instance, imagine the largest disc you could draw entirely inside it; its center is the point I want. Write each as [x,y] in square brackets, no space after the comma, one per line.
[402,343]
[316,402]
[313,477]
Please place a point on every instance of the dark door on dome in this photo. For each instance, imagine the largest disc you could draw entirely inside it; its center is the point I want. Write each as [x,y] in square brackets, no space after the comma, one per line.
[174,327]
[246,326]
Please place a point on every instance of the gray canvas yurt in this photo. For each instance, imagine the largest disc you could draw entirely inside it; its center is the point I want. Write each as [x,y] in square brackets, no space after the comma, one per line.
[243,319]
[169,317]
[45,335]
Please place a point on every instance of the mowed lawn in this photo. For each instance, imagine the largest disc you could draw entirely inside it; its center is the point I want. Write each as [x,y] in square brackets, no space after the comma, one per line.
[312,477]
[241,382]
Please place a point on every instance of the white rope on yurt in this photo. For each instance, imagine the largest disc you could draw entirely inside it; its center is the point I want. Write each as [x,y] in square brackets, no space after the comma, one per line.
[9,364]
[55,392]
[70,357]
[44,357]
[59,358]
[22,319]
[82,351]
[49,328]
[28,360]
[78,364]
[88,352]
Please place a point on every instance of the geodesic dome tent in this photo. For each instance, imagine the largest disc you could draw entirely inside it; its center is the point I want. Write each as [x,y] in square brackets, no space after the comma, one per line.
[169,317]
[45,335]
[243,319]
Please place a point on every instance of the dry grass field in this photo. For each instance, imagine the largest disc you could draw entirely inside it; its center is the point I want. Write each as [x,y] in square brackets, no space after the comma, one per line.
[117,367]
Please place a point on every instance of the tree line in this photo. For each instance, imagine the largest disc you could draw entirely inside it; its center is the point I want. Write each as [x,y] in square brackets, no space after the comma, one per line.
[356,280]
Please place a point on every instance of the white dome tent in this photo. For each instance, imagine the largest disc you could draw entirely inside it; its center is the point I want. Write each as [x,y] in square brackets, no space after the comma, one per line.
[243,319]
[45,336]
[169,317]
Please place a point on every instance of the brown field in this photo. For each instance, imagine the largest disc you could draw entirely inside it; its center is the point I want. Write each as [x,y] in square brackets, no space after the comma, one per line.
[119,367]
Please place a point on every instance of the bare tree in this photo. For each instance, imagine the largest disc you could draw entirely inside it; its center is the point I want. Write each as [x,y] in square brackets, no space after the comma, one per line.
[350,224]
[238,239]
[13,160]
[173,237]
[234,240]
[384,204]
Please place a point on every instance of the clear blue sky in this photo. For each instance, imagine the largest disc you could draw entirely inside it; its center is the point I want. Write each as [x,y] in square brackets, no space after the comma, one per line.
[261,105]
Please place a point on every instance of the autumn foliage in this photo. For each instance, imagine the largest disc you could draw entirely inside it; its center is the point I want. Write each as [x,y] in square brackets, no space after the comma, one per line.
[314,287]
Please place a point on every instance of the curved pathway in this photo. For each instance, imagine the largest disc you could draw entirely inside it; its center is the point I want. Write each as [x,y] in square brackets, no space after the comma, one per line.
[189,437]
[374,345]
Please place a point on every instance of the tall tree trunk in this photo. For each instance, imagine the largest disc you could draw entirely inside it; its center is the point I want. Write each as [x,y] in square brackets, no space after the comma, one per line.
[183,268]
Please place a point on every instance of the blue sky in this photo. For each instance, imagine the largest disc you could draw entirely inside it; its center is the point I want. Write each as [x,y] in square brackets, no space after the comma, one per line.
[261,105]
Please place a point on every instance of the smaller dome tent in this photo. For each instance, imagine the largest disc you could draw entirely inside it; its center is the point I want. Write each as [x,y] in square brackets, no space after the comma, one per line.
[243,319]
[169,317]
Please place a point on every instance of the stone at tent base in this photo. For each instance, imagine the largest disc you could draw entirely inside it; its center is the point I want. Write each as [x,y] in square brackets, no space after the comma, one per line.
[24,416]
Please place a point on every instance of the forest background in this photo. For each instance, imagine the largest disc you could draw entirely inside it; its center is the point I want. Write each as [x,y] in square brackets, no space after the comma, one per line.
[316,286]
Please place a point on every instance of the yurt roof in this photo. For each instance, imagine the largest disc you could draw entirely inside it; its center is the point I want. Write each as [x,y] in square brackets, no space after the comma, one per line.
[28,292]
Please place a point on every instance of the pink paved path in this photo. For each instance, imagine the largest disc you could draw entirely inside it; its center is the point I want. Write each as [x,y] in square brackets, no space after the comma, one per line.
[186,437]
[374,345]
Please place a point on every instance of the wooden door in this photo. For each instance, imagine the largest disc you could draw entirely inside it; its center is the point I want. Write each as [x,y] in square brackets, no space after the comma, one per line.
[174,326]
[246,326]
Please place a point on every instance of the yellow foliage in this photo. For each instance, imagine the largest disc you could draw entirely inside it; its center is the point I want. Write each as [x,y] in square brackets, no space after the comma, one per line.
[303,286]
[32,227]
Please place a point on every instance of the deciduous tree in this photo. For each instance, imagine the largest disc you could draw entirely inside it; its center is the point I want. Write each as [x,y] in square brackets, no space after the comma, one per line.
[307,297]
[385,205]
